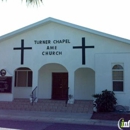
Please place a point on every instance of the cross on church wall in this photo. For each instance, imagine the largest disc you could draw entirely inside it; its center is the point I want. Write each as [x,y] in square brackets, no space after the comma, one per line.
[22,48]
[83,47]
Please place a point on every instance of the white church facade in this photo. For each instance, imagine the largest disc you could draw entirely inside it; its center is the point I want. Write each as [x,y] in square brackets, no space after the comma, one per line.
[63,59]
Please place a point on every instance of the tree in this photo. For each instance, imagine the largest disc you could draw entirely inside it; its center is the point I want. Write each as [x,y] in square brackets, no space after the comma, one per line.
[33,2]
[105,101]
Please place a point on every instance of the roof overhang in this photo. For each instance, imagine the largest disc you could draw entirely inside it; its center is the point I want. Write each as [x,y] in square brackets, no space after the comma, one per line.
[47,20]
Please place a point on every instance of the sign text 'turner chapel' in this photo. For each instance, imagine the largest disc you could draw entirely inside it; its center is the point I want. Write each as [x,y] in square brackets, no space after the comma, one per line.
[52,49]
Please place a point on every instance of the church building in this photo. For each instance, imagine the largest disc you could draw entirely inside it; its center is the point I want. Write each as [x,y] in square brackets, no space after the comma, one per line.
[63,60]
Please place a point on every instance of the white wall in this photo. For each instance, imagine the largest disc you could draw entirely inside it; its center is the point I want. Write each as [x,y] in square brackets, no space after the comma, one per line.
[6,97]
[84,84]
[100,58]
[71,58]
[22,92]
[104,64]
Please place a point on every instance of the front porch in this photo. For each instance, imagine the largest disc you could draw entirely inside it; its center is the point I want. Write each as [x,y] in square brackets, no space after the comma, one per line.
[79,106]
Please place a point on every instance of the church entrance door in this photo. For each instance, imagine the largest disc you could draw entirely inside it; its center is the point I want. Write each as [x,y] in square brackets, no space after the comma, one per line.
[59,86]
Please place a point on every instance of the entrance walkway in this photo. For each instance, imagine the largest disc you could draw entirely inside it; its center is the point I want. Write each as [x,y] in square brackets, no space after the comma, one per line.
[49,106]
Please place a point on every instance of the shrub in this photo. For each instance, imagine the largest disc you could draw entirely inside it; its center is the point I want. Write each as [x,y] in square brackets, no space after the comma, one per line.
[105,101]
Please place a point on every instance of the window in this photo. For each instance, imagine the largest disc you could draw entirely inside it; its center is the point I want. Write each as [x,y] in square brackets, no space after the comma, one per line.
[117,77]
[23,77]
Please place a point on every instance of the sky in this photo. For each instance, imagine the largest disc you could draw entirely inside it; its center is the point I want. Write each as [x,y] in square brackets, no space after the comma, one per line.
[108,16]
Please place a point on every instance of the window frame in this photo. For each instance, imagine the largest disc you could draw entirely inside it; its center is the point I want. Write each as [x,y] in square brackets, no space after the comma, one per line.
[118,80]
[23,69]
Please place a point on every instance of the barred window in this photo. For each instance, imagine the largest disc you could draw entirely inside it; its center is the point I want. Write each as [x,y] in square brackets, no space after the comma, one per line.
[118,78]
[23,77]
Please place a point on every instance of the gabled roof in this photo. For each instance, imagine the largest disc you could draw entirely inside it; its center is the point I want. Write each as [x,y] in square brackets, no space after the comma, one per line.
[42,22]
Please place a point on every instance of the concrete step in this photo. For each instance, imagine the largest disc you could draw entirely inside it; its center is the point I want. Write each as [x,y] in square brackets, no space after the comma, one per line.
[79,106]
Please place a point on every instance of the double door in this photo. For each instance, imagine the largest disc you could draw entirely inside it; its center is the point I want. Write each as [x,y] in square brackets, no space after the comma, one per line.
[59,86]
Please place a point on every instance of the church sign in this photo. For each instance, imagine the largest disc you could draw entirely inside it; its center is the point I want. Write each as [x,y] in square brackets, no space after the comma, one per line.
[52,49]
[5,84]
[49,41]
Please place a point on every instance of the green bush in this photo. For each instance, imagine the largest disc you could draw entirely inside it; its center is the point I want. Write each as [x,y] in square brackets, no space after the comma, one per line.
[105,101]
